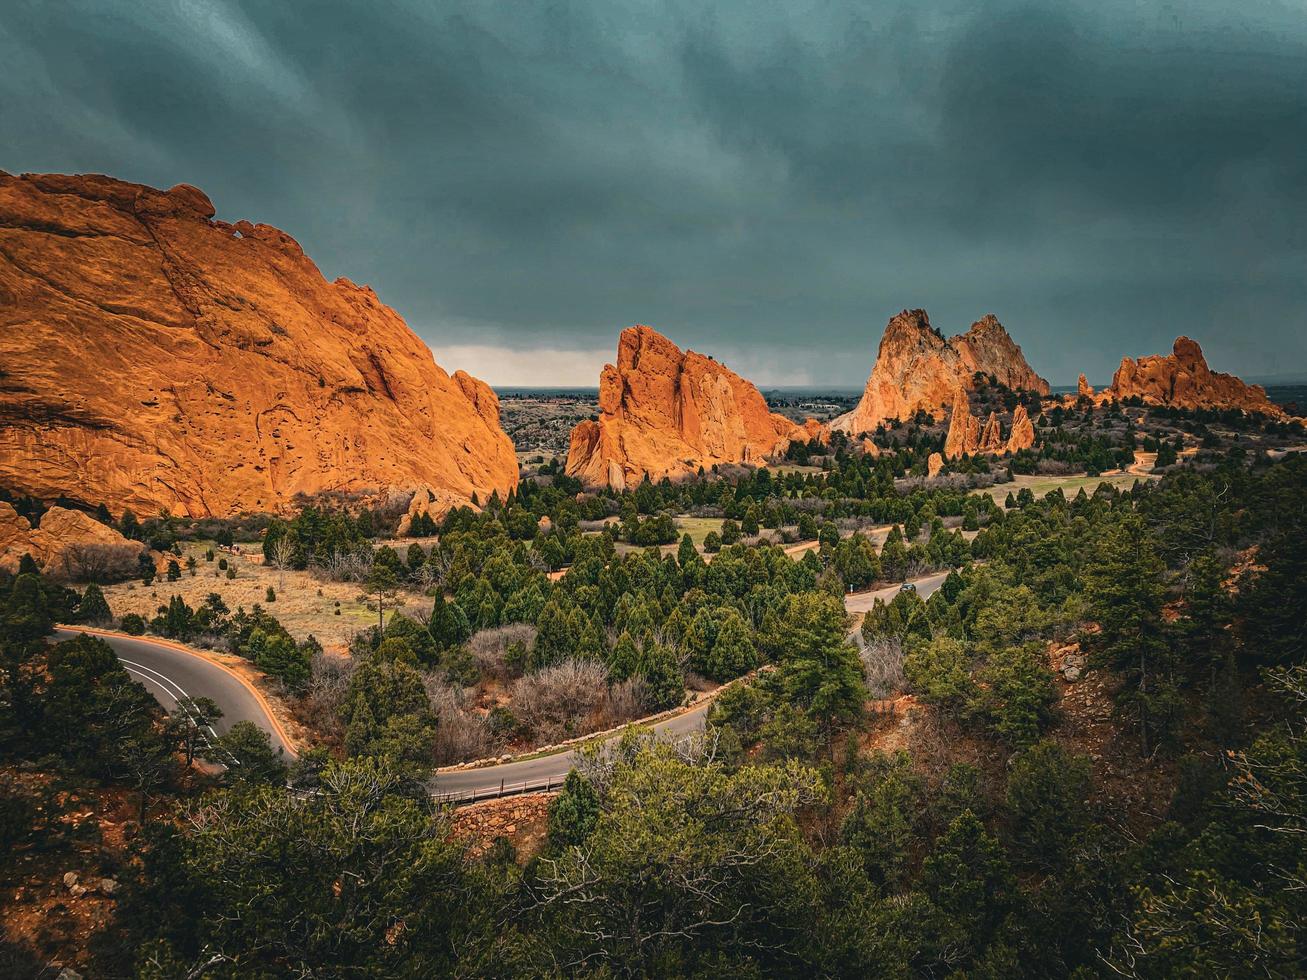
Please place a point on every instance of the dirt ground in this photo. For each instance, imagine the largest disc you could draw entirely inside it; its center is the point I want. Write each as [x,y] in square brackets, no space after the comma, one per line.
[304,605]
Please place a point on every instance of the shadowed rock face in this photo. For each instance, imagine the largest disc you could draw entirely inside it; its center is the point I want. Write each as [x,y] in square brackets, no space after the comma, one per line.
[664,412]
[1183,380]
[916,368]
[155,358]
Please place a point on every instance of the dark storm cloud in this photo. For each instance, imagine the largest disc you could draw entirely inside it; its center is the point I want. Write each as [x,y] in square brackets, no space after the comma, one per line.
[768,183]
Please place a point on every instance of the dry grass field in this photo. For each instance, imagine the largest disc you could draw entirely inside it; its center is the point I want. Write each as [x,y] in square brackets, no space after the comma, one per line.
[304,604]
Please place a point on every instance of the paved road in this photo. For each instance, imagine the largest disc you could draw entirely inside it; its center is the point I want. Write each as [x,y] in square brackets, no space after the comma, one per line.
[542,773]
[169,673]
[862,601]
[547,772]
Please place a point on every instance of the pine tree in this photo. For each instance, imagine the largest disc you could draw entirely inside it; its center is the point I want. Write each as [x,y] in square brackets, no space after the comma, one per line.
[1123,584]
[94,608]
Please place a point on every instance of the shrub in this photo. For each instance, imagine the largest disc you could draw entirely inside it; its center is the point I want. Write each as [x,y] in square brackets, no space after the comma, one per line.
[1046,794]
[270,595]
[231,574]
[574,813]
[93,608]
[557,702]
[132,624]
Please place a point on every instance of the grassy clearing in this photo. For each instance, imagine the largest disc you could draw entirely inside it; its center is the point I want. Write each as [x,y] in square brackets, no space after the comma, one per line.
[304,604]
[1070,485]
[698,527]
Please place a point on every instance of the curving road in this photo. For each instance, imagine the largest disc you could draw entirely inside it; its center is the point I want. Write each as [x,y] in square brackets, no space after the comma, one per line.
[169,671]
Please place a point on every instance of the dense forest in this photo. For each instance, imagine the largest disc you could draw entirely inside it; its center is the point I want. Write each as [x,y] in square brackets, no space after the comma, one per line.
[803,832]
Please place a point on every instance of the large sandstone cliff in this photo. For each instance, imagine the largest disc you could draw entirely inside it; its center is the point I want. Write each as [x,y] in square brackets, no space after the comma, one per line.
[916,368]
[1183,380]
[664,412]
[152,357]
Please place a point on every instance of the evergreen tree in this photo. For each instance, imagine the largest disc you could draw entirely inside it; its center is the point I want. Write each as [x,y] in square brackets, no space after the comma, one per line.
[1123,583]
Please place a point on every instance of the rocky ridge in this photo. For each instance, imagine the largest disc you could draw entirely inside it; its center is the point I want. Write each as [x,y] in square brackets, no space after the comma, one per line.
[158,359]
[918,369]
[1182,379]
[665,412]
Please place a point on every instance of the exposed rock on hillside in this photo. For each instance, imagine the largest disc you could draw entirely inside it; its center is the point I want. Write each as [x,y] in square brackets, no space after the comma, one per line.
[916,368]
[1022,434]
[664,412]
[1083,388]
[1183,380]
[963,437]
[68,544]
[155,358]
[966,437]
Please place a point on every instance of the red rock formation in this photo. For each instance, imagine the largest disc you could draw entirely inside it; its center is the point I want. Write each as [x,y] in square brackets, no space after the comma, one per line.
[1022,435]
[934,464]
[916,368]
[1084,389]
[991,436]
[1183,380]
[15,538]
[666,413]
[155,358]
[965,436]
[66,543]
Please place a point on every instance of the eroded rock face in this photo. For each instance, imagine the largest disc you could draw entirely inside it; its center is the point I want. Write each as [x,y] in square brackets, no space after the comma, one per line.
[155,358]
[664,412]
[68,544]
[934,463]
[1183,380]
[966,436]
[916,368]
[963,437]
[15,538]
[1083,388]
[1022,435]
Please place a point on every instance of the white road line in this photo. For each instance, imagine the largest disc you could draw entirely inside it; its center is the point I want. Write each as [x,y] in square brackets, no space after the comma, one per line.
[164,681]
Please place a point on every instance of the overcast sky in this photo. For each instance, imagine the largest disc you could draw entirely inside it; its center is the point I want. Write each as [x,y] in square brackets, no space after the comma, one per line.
[764,182]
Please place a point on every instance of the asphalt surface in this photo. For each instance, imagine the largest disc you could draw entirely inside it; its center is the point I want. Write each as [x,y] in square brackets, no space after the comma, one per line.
[544,772]
[170,673]
[857,602]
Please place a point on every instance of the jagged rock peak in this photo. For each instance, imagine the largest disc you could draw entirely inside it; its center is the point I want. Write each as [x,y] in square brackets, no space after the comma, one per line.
[665,412]
[918,369]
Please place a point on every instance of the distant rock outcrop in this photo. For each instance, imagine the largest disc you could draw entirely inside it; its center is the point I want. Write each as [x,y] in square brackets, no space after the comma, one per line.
[158,359]
[917,369]
[966,437]
[664,412]
[1183,380]
[1083,388]
[934,463]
